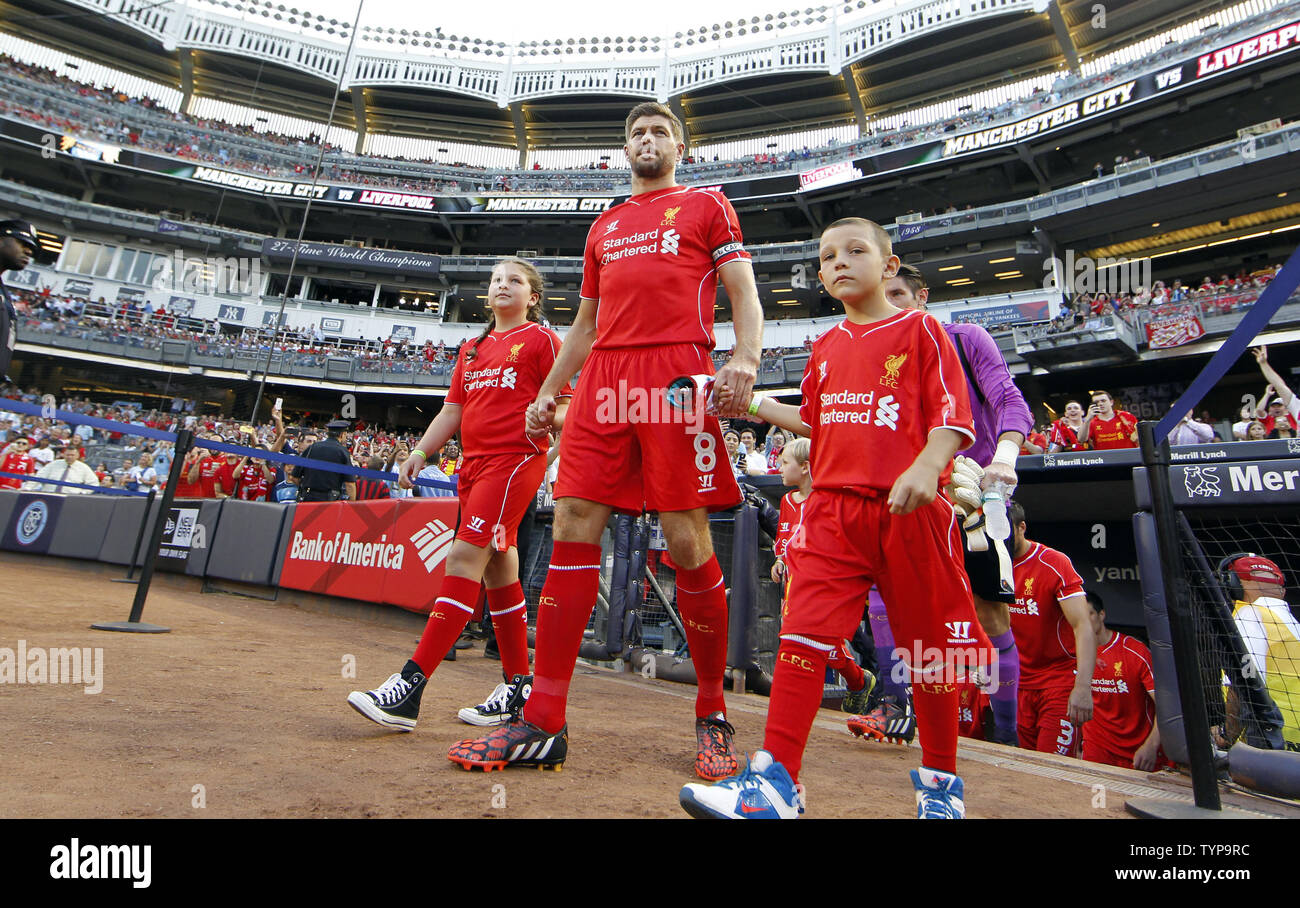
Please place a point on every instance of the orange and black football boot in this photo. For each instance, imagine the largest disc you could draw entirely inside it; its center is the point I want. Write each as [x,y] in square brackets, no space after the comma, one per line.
[714,757]
[517,743]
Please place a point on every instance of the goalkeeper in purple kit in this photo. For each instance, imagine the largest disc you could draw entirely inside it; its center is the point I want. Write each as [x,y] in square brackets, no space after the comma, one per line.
[1002,419]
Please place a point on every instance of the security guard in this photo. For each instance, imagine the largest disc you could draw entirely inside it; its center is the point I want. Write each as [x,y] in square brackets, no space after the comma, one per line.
[17,246]
[326,485]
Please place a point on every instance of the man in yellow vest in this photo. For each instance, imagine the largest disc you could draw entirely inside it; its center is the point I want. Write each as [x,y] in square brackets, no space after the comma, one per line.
[1272,637]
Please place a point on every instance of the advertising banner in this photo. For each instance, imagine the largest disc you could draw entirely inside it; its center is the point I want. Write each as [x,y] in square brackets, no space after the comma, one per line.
[1265,482]
[386,260]
[991,317]
[178,538]
[389,551]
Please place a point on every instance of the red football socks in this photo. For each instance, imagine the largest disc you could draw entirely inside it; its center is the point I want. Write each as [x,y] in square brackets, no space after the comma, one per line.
[797,686]
[564,609]
[702,599]
[510,622]
[936,725]
[451,612]
[843,662]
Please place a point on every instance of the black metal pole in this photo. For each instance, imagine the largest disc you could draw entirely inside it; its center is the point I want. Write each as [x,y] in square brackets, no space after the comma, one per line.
[1182,629]
[184,441]
[139,538]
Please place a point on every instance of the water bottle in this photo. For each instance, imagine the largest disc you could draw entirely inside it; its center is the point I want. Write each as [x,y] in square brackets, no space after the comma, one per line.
[995,513]
[686,392]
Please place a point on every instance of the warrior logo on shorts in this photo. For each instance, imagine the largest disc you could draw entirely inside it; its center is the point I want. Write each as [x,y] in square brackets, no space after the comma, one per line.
[476,524]
[706,482]
[892,365]
[960,631]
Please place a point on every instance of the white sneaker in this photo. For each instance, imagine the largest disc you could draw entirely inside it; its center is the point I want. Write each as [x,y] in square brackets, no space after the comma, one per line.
[764,791]
[506,700]
[938,795]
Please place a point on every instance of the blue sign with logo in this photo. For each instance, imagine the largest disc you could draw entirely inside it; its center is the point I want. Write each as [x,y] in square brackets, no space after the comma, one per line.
[31,527]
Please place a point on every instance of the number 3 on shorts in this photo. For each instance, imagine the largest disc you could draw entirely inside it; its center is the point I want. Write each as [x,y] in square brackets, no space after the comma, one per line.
[705,457]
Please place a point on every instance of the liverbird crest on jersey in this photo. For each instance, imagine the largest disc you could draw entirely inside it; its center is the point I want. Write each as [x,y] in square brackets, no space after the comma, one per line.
[670,216]
[893,364]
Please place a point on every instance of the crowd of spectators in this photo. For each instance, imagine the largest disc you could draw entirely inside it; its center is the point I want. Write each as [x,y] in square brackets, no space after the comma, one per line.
[62,104]
[140,325]
[1229,293]
[1104,425]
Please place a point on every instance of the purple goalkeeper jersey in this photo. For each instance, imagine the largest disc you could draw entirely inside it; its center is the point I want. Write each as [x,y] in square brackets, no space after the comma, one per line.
[995,401]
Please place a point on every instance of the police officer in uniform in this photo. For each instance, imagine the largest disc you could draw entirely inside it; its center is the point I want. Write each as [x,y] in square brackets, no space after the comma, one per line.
[326,485]
[18,245]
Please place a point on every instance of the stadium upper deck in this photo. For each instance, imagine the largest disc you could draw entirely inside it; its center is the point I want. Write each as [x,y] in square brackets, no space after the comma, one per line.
[839,66]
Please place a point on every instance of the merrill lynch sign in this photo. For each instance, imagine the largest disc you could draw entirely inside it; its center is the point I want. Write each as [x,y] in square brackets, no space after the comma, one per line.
[390,261]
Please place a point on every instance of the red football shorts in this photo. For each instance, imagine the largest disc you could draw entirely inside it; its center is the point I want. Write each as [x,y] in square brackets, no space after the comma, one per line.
[1042,723]
[971,704]
[625,447]
[849,541]
[495,491]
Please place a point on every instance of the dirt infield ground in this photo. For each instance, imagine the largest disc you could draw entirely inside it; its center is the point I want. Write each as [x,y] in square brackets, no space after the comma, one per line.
[246,698]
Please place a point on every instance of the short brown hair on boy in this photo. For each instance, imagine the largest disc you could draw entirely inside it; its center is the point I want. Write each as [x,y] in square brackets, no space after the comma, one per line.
[878,234]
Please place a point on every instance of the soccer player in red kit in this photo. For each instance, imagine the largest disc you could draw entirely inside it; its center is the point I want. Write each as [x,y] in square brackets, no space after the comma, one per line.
[496,378]
[1050,621]
[1105,428]
[887,382]
[649,285]
[17,461]
[1122,731]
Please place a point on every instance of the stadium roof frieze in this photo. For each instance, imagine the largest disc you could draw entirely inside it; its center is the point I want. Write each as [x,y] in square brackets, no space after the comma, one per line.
[828,46]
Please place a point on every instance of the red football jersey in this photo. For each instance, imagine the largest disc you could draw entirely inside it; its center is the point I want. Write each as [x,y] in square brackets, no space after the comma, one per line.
[226,474]
[1045,639]
[209,468]
[653,261]
[496,387]
[250,484]
[1116,432]
[872,395]
[1035,438]
[184,488]
[791,517]
[1063,434]
[16,463]
[1122,709]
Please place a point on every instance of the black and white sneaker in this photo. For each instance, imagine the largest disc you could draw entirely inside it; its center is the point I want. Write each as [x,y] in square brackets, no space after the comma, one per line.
[396,704]
[506,702]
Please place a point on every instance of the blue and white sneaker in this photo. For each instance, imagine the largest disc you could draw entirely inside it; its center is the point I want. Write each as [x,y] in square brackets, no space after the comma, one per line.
[938,795]
[764,791]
